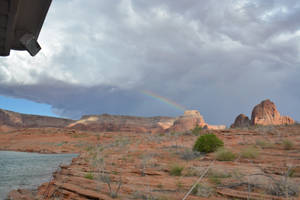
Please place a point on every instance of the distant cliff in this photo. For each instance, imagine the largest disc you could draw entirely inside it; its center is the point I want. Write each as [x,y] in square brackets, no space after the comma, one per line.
[9,119]
[107,122]
[189,120]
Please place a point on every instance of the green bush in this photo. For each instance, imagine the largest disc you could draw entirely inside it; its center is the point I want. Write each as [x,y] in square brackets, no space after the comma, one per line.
[208,143]
[250,152]
[176,170]
[223,154]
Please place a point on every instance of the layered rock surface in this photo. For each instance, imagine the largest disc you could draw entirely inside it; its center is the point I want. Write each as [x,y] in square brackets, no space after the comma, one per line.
[264,113]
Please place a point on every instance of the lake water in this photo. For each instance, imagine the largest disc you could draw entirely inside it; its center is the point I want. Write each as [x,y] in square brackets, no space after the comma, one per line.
[28,170]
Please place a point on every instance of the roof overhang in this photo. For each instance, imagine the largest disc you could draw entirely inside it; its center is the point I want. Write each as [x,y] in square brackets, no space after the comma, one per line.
[20,24]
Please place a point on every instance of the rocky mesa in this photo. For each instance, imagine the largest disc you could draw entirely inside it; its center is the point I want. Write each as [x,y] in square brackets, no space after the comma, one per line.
[264,113]
[11,120]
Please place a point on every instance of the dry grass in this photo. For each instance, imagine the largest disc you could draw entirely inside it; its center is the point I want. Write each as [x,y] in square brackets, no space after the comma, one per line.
[250,152]
[223,154]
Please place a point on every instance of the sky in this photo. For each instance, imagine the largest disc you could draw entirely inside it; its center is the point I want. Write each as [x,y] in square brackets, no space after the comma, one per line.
[150,58]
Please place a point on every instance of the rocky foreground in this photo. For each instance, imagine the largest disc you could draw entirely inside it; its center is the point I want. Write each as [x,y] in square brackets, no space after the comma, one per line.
[125,165]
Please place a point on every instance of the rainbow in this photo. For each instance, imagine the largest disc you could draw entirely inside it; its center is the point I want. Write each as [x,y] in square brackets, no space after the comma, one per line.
[163,99]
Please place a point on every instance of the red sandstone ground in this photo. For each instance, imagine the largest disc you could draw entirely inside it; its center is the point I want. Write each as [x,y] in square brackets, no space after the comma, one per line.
[142,163]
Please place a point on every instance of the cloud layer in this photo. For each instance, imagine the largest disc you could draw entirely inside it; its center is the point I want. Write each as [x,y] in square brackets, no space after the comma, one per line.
[220,57]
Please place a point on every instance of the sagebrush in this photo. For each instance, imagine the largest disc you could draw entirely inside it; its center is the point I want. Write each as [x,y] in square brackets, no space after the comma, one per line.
[208,143]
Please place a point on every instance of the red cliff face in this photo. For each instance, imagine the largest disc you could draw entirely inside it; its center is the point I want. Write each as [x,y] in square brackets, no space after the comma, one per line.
[264,113]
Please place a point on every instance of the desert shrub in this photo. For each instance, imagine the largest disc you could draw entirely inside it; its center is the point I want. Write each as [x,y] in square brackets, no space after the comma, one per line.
[176,170]
[89,176]
[179,185]
[192,171]
[143,196]
[287,144]
[263,144]
[250,152]
[197,130]
[223,154]
[283,187]
[202,190]
[215,180]
[189,155]
[208,143]
[216,176]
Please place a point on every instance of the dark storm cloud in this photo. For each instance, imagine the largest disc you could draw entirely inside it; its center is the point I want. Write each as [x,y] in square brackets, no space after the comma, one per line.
[70,100]
[220,57]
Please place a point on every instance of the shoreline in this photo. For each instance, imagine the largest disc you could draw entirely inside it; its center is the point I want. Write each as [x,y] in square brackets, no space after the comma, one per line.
[39,152]
[13,194]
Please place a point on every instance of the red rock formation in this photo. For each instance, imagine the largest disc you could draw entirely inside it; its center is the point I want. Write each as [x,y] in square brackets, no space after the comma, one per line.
[241,121]
[264,113]
[188,121]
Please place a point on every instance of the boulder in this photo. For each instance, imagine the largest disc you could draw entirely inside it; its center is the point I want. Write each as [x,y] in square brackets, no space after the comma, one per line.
[241,121]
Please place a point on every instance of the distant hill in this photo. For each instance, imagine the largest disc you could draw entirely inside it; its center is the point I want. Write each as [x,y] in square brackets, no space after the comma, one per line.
[12,120]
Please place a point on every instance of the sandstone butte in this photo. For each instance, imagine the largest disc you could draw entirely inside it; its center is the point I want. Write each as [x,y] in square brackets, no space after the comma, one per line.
[264,114]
